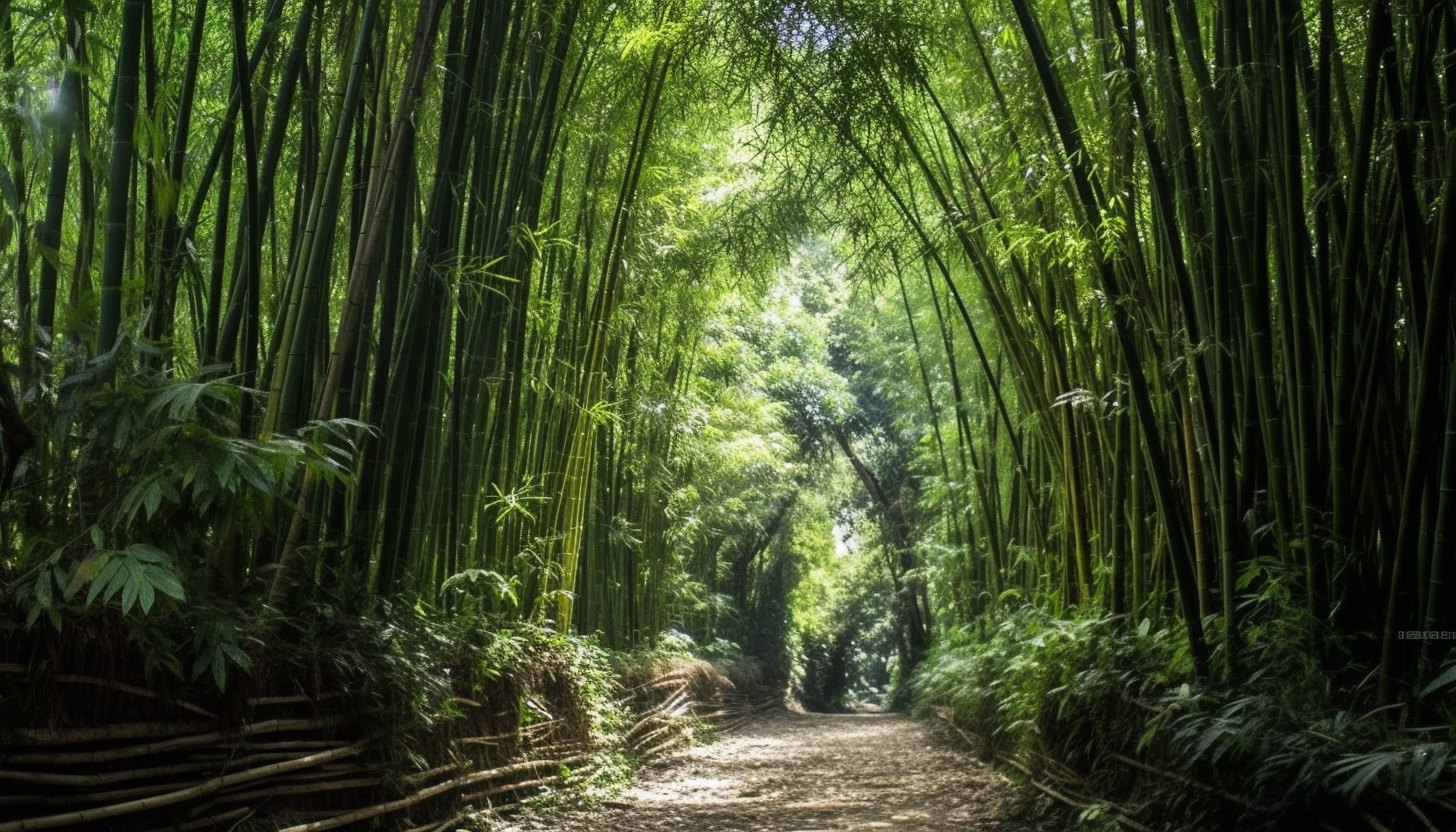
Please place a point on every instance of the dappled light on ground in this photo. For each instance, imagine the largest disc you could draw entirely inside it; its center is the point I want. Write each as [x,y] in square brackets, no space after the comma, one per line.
[788,772]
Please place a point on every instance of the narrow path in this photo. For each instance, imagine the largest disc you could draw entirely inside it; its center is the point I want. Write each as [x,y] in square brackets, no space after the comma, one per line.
[788,772]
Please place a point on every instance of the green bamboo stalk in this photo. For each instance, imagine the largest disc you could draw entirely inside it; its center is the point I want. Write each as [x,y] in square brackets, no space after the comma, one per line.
[1423,412]
[118,203]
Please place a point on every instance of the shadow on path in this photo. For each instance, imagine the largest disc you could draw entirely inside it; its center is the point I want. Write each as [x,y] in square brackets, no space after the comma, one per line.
[790,772]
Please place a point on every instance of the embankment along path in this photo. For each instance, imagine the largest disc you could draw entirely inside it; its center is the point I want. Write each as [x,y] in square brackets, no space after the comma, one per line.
[790,772]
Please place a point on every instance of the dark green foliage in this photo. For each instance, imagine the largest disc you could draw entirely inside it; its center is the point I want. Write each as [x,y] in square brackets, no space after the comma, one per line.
[404,669]
[1085,692]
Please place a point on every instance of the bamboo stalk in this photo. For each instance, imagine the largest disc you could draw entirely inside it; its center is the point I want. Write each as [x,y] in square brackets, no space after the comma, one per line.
[1180,778]
[667,709]
[179,796]
[416,779]
[108,755]
[1436,801]
[422,795]
[101,797]
[303,788]
[115,731]
[650,736]
[661,748]
[1117,815]
[213,820]
[86,780]
[513,787]
[72,678]
[298,745]
[296,699]
[441,827]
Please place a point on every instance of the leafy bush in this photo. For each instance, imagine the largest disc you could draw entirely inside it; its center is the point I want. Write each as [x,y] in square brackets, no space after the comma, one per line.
[144,491]
[1084,692]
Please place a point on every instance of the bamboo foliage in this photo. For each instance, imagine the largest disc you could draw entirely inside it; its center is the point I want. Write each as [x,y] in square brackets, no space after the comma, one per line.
[1208,242]
[1173,280]
[463,244]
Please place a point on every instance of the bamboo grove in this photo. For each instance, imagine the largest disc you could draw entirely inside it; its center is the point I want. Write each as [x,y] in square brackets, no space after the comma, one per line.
[380,300]
[450,301]
[1178,279]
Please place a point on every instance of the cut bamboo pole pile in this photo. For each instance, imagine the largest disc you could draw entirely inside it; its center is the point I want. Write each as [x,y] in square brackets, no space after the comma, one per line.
[297,762]
[290,759]
[171,767]
[668,714]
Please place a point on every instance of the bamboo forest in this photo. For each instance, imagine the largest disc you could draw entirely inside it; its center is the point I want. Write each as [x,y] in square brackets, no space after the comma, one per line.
[469,415]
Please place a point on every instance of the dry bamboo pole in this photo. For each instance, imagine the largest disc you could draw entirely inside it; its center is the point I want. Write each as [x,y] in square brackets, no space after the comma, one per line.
[71,678]
[425,794]
[296,699]
[123,687]
[112,754]
[512,787]
[181,795]
[101,733]
[1181,778]
[46,778]
[212,821]
[302,788]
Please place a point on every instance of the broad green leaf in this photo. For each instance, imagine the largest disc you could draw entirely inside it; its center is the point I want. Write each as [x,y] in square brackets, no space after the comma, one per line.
[145,594]
[165,581]
[43,592]
[146,553]
[219,670]
[1439,682]
[153,499]
[135,581]
[102,578]
[236,654]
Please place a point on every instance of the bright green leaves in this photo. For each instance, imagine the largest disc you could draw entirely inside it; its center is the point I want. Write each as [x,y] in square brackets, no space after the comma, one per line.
[132,577]
[172,492]
[476,586]
[137,574]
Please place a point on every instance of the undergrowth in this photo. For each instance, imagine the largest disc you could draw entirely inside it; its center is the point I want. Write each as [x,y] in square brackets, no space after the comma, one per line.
[1283,745]
[410,678]
[409,670]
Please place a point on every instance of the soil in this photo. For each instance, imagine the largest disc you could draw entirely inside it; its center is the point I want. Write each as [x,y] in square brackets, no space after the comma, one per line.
[795,772]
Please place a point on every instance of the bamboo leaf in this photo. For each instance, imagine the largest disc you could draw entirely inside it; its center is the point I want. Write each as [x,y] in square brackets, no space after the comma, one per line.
[103,579]
[165,581]
[1439,682]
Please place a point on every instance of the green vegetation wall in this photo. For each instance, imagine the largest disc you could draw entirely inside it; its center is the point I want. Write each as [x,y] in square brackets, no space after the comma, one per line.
[1174,282]
[328,303]
[443,301]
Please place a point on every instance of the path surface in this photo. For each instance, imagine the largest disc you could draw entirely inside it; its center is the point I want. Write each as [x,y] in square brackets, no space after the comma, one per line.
[789,772]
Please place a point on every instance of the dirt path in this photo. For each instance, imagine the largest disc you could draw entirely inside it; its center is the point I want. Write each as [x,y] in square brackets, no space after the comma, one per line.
[788,772]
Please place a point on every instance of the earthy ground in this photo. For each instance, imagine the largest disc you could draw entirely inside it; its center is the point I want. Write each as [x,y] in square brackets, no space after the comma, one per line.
[791,772]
